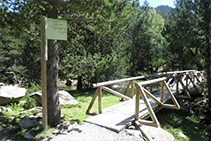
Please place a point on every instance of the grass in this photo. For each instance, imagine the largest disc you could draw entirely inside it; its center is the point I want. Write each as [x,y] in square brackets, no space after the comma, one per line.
[189,125]
[78,112]
[170,120]
[71,112]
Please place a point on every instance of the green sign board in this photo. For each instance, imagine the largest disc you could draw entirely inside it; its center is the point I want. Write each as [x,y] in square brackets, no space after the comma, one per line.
[56,29]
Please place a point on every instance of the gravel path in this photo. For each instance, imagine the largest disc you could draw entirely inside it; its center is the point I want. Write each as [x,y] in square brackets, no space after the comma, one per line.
[90,132]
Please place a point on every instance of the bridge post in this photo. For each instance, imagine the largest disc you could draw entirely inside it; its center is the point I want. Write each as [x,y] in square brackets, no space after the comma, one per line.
[100,100]
[132,88]
[177,87]
[162,91]
[137,103]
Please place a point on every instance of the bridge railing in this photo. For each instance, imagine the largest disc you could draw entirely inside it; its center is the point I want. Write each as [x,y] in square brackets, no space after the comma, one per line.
[173,79]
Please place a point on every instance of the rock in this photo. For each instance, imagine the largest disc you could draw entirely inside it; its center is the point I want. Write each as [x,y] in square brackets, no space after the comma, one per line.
[10,118]
[28,136]
[3,108]
[23,112]
[64,98]
[9,110]
[64,128]
[69,83]
[181,134]
[133,132]
[36,116]
[28,123]
[36,109]
[2,84]
[38,97]
[11,94]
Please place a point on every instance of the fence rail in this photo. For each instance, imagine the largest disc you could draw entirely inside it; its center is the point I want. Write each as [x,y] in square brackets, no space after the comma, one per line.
[167,79]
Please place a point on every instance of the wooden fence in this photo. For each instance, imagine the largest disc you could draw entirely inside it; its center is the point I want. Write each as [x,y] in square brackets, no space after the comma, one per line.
[167,80]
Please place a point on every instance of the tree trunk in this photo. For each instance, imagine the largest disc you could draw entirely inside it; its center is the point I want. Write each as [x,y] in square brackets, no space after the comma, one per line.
[53,106]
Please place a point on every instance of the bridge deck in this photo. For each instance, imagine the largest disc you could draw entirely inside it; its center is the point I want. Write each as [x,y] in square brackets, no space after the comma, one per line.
[121,115]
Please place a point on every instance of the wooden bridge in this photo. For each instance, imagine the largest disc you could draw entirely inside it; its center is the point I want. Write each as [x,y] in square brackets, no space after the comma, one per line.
[143,99]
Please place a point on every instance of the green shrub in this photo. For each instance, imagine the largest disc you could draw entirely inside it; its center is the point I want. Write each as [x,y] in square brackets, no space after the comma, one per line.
[30,102]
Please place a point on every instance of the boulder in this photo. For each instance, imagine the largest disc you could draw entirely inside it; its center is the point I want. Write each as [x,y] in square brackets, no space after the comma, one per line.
[2,84]
[28,123]
[64,98]
[11,94]
[38,97]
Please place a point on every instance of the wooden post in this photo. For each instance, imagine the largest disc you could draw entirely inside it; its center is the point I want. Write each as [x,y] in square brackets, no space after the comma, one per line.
[93,100]
[100,100]
[177,87]
[149,108]
[137,102]
[171,95]
[43,74]
[162,92]
[132,88]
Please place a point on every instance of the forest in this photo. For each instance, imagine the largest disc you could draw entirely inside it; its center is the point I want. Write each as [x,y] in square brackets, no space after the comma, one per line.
[107,40]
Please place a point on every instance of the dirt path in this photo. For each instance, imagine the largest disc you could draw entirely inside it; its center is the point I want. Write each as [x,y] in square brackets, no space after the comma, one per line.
[91,132]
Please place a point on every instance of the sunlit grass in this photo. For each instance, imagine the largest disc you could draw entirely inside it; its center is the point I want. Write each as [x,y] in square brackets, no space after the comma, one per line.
[78,112]
[189,125]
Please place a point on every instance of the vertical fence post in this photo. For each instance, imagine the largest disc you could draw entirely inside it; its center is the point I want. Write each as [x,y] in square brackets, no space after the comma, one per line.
[137,103]
[162,92]
[177,87]
[100,100]
[132,88]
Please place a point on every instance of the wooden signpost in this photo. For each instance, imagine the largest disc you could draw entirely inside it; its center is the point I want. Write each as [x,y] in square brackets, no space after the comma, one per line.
[50,29]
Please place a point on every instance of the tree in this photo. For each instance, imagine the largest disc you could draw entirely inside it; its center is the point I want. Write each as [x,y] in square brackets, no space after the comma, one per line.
[22,13]
[189,30]
[180,32]
[147,41]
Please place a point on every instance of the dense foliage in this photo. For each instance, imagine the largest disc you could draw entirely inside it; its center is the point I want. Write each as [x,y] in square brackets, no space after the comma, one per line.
[107,40]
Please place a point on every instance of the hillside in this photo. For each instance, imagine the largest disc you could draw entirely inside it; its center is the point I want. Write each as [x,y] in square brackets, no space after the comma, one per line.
[163,8]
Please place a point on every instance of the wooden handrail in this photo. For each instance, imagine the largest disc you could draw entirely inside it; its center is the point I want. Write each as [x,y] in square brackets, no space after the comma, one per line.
[139,89]
[138,77]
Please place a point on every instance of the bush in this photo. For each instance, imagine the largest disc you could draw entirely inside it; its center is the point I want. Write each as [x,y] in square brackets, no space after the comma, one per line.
[30,102]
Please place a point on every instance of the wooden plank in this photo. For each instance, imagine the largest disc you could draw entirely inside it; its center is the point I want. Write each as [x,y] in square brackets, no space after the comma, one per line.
[152,96]
[137,102]
[184,88]
[152,81]
[117,81]
[193,83]
[43,73]
[162,91]
[150,110]
[171,95]
[121,115]
[93,100]
[149,123]
[128,86]
[153,133]
[115,93]
[138,77]
[100,100]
